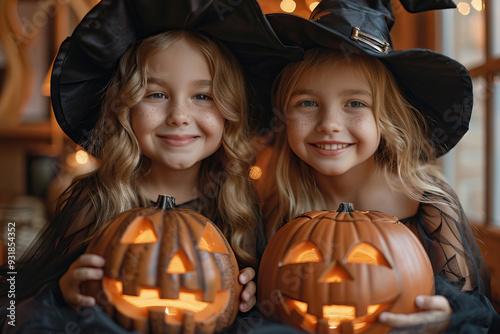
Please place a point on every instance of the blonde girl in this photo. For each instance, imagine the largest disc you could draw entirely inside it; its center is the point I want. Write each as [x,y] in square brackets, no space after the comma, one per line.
[365,124]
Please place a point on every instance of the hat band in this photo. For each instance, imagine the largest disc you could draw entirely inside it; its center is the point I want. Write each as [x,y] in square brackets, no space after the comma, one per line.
[372,41]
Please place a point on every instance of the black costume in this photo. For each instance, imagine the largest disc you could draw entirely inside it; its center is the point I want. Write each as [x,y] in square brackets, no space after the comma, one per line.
[84,66]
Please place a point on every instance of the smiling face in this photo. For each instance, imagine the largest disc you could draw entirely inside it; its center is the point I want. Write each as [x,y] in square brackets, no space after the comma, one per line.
[330,121]
[177,122]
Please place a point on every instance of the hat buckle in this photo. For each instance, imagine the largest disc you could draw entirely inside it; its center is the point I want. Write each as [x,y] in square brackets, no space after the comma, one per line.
[372,41]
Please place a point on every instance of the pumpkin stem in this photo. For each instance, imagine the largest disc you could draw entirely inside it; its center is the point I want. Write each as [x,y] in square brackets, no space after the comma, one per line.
[346,208]
[165,202]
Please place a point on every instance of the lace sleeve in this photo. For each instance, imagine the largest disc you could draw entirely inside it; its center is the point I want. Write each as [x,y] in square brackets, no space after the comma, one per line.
[446,235]
[58,244]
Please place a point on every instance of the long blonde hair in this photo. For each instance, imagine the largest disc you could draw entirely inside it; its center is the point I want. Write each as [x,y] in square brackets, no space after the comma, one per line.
[404,149]
[227,196]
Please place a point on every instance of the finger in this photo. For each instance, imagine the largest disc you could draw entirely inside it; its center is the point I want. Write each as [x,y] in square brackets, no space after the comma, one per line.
[249,291]
[428,318]
[82,300]
[246,306]
[246,275]
[433,303]
[90,260]
[86,274]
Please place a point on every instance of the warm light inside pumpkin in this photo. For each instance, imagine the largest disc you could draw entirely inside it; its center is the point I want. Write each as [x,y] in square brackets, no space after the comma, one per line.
[309,319]
[366,253]
[335,314]
[304,252]
[140,231]
[211,241]
[179,264]
[174,308]
[336,275]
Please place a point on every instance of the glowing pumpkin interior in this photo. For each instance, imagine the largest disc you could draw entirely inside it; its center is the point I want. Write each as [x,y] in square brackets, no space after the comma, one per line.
[362,253]
[141,231]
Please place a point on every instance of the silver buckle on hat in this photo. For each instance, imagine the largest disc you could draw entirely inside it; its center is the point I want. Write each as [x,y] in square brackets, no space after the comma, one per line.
[358,35]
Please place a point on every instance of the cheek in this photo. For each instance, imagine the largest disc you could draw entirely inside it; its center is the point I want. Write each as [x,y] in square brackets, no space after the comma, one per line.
[366,126]
[212,124]
[299,126]
[145,120]
[297,130]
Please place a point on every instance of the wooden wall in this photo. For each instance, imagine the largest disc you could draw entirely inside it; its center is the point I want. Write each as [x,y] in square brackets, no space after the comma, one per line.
[489,242]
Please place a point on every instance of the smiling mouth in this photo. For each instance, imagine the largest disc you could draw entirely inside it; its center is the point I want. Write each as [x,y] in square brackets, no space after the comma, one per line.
[179,141]
[331,147]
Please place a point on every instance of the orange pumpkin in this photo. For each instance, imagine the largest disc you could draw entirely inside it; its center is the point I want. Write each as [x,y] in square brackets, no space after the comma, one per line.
[336,271]
[167,271]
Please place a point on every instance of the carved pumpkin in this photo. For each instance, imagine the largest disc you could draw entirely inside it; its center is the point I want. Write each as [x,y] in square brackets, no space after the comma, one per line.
[336,271]
[167,271]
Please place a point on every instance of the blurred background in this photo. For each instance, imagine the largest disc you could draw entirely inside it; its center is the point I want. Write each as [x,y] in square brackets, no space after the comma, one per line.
[37,161]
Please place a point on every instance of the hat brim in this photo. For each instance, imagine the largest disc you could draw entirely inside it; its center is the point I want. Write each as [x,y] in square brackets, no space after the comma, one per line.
[436,85]
[86,60]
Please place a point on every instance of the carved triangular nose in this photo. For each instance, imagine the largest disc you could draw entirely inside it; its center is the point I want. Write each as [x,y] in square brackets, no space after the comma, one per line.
[336,273]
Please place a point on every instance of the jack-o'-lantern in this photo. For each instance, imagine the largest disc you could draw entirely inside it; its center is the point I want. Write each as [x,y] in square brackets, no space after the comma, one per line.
[336,271]
[167,270]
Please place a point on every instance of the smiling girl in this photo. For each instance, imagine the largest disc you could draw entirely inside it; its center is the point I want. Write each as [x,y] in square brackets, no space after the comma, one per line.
[351,137]
[172,119]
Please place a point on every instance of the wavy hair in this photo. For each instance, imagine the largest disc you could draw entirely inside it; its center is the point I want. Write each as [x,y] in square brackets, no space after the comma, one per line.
[404,149]
[226,194]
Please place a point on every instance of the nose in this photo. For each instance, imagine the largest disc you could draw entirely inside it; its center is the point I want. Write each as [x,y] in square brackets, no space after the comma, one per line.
[336,273]
[178,114]
[330,121]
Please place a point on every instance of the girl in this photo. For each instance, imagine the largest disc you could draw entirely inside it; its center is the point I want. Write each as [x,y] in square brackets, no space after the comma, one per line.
[178,128]
[352,134]
[173,119]
[351,137]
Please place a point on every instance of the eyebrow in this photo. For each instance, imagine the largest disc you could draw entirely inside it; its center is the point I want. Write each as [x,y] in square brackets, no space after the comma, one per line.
[302,91]
[197,83]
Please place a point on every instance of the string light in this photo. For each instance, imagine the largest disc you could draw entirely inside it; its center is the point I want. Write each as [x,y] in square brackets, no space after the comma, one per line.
[313,5]
[288,6]
[81,157]
[255,172]
[477,5]
[463,8]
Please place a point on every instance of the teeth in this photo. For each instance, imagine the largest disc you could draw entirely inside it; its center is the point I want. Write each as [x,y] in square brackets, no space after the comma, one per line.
[331,146]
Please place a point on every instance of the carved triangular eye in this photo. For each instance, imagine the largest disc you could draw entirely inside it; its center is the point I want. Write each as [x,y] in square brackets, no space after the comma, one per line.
[366,253]
[304,252]
[211,241]
[180,263]
[140,231]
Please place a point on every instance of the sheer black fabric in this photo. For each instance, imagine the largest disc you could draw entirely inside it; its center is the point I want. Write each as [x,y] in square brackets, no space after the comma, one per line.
[47,312]
[445,233]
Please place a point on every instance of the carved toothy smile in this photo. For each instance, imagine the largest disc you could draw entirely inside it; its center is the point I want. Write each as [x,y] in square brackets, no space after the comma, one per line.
[334,314]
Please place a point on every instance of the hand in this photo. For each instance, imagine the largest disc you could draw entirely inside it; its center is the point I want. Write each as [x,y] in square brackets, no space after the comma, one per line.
[434,317]
[86,267]
[248,299]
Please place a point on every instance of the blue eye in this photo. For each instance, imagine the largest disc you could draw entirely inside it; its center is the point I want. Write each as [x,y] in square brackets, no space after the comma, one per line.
[202,97]
[308,103]
[157,96]
[356,104]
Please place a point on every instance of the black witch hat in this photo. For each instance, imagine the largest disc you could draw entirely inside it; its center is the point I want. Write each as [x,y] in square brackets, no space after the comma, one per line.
[436,85]
[87,59]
